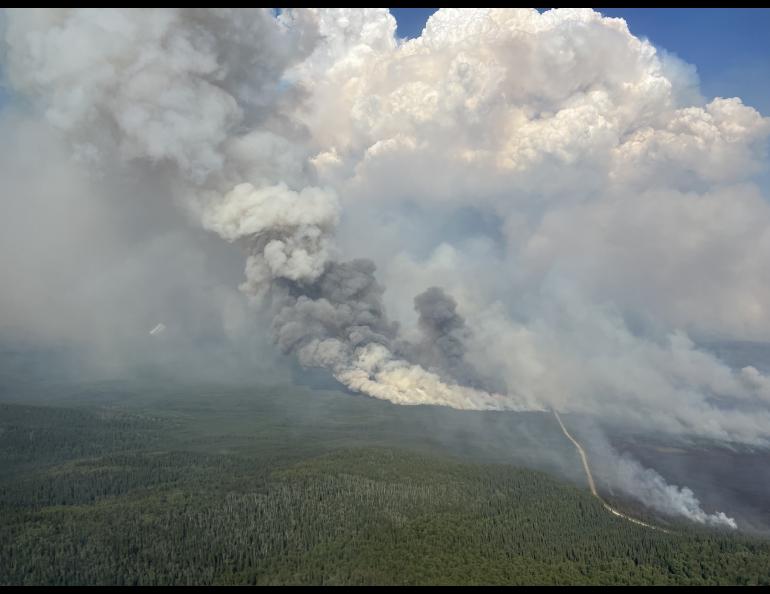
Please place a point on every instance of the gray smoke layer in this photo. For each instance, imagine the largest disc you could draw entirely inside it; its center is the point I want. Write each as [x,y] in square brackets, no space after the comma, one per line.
[443,346]
[325,322]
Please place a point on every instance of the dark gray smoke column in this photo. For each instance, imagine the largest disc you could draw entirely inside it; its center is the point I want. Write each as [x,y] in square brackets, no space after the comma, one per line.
[444,335]
[338,322]
[324,321]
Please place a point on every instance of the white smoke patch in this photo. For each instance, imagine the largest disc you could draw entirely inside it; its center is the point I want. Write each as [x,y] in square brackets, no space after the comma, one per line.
[290,232]
[374,371]
[692,260]
[622,474]
[563,103]
[756,381]
[582,357]
[648,486]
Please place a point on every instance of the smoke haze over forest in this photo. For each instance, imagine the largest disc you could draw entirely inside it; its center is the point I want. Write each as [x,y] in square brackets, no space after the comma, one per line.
[515,210]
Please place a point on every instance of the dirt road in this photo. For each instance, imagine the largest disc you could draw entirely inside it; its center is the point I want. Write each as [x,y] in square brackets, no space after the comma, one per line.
[592,484]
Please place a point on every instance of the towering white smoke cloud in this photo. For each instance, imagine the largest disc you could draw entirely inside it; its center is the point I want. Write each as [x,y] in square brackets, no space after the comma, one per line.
[620,220]
[627,225]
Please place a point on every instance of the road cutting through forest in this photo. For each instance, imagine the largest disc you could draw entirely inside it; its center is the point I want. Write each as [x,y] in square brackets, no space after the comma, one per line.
[592,484]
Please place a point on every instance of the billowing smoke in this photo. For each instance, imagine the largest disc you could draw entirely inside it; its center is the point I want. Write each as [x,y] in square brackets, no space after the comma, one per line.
[650,487]
[201,91]
[339,323]
[616,219]
[288,234]
[619,473]
[444,334]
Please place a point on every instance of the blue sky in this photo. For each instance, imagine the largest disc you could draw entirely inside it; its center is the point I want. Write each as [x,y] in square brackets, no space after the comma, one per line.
[729,47]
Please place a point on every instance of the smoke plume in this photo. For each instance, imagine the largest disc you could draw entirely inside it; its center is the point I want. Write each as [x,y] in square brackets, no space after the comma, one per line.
[590,218]
[444,335]
[650,487]
[200,92]
[621,473]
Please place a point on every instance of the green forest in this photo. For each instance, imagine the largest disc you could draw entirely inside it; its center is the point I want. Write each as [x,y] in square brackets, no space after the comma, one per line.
[270,487]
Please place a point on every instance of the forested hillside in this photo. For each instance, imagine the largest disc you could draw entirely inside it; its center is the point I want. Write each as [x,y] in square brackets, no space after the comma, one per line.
[95,496]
